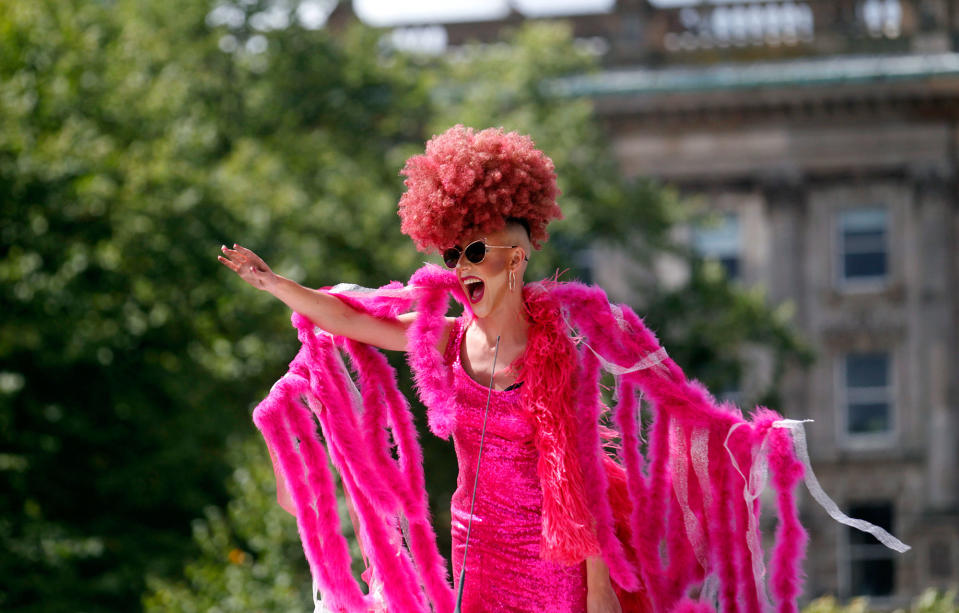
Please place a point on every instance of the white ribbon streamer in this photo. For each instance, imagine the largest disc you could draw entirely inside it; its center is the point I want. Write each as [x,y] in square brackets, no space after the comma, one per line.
[709,592]
[699,452]
[812,484]
[347,289]
[653,359]
[758,476]
[680,470]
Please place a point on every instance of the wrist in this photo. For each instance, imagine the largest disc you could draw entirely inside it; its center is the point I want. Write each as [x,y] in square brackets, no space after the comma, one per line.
[597,573]
[273,284]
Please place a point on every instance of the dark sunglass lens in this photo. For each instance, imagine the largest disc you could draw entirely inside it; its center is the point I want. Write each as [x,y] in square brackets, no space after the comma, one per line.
[451,257]
[476,252]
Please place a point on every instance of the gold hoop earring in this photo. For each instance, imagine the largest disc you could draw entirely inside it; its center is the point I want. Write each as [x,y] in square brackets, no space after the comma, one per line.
[512,281]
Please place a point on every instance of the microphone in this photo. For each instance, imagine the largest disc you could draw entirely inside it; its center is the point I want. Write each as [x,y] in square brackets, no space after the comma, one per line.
[479,458]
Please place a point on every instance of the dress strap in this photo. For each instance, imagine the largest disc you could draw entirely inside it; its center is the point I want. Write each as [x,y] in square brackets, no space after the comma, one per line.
[453,344]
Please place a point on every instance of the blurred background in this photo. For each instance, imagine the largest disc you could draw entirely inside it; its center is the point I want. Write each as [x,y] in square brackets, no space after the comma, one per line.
[772,184]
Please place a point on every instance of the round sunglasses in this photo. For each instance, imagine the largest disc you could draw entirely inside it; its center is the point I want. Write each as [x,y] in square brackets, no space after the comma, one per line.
[475,252]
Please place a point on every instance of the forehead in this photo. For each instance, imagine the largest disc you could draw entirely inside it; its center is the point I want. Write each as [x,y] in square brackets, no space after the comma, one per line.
[493,238]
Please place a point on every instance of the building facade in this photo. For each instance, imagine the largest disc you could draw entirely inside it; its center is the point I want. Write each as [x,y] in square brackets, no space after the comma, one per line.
[835,168]
[827,135]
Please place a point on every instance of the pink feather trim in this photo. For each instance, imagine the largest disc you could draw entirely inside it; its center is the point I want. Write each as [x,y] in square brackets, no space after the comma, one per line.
[548,378]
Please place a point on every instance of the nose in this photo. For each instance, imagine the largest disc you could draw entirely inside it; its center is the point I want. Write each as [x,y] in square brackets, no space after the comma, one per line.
[463,262]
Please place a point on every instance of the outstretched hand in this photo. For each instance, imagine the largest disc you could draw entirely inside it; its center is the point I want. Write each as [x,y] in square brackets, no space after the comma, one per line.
[248,265]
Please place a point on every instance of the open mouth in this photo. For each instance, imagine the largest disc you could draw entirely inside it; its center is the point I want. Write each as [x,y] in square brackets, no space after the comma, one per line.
[474,288]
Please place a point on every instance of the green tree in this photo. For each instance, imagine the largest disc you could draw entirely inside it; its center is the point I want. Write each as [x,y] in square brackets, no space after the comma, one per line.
[249,556]
[930,600]
[131,146]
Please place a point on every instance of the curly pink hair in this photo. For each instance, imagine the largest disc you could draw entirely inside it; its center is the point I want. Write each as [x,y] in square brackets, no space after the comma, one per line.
[469,182]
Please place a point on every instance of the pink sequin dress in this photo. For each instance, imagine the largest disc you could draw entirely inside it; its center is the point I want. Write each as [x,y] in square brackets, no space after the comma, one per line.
[504,571]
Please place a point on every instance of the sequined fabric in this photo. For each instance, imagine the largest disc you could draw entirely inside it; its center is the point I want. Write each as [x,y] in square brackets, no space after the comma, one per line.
[504,571]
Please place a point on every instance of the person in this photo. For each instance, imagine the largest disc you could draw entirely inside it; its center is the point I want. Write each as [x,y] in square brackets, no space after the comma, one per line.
[671,523]
[489,248]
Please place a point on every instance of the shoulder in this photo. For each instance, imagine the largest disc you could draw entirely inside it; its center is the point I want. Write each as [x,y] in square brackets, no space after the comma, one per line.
[568,295]
[446,332]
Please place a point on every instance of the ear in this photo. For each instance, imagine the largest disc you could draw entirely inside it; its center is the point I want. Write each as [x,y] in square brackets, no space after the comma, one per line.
[517,258]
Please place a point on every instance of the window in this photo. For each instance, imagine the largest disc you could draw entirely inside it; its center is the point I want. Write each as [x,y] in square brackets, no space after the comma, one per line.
[862,244]
[940,559]
[585,260]
[731,392]
[868,406]
[872,570]
[720,241]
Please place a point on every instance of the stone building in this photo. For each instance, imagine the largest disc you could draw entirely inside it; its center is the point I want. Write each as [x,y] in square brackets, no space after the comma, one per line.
[831,148]
[827,134]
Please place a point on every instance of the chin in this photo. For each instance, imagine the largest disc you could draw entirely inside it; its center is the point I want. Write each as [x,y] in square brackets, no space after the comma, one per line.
[487,304]
[479,310]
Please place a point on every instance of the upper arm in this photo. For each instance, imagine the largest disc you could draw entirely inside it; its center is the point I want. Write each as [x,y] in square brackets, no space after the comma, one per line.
[407,319]
[391,334]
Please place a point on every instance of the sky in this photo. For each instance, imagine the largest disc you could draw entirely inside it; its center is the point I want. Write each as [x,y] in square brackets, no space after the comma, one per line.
[386,13]
[392,12]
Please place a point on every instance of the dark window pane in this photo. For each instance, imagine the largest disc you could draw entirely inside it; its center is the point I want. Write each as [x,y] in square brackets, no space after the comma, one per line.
[863,235]
[867,370]
[865,241]
[873,577]
[720,241]
[859,265]
[878,513]
[865,418]
[872,565]
[731,266]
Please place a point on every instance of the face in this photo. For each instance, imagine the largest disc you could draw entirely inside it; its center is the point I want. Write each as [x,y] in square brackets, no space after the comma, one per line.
[486,284]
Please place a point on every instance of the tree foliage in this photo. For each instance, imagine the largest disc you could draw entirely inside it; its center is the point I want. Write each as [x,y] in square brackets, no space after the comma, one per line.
[249,555]
[930,600]
[131,146]
[136,137]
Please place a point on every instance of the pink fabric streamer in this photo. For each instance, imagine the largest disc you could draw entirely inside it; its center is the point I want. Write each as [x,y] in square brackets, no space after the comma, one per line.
[673,525]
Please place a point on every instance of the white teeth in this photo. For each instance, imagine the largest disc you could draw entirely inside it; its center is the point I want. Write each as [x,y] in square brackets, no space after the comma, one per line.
[469,282]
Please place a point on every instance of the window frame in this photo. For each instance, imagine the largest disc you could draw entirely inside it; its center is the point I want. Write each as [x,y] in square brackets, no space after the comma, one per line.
[697,230]
[870,283]
[866,440]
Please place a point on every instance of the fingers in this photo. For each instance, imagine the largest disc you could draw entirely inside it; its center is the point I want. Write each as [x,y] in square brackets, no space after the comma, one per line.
[251,258]
[243,262]
[231,265]
[234,260]
[233,254]
[245,251]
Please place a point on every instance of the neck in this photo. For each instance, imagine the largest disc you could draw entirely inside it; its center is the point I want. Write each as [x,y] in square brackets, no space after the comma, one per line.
[508,322]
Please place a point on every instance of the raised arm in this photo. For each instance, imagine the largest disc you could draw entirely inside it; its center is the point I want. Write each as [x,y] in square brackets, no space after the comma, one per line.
[326,311]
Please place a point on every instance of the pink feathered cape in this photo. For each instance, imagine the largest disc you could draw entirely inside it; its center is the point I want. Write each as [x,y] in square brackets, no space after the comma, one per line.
[679,523]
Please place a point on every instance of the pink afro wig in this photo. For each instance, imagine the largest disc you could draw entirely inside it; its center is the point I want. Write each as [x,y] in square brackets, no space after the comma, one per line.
[470,182]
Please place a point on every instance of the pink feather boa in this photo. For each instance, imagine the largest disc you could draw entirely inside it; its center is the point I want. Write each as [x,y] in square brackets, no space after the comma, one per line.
[549,376]
[666,524]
